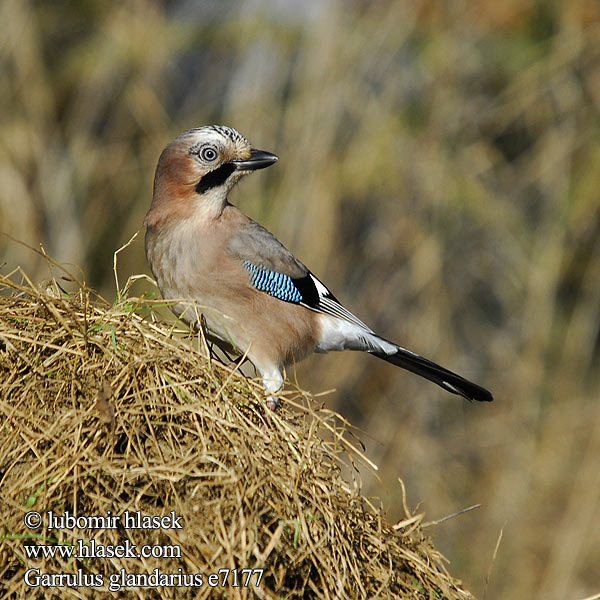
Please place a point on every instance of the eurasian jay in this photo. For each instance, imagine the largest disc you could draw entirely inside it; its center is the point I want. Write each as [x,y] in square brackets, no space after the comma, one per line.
[255,297]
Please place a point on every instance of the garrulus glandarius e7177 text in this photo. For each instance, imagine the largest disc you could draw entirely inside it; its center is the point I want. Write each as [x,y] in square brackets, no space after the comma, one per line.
[255,297]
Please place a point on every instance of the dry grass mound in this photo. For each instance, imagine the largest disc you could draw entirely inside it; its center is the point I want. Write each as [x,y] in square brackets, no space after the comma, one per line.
[104,410]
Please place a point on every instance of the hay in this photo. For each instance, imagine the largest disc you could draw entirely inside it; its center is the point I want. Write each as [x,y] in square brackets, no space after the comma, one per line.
[105,411]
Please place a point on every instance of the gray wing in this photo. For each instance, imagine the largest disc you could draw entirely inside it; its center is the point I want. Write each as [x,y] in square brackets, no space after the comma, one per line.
[274,270]
[252,242]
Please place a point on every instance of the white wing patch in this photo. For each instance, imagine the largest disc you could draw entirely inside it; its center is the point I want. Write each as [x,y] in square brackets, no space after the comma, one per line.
[329,306]
[323,291]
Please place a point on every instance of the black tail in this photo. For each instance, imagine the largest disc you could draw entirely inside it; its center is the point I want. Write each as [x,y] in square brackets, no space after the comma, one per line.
[426,368]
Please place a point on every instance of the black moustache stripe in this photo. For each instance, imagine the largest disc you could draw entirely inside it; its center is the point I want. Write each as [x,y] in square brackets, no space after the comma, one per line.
[215,178]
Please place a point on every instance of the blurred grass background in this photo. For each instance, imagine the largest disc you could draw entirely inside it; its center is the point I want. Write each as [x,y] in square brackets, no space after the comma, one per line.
[439,169]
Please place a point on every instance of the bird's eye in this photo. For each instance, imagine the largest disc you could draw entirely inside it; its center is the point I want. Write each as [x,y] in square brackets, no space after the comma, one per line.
[208,153]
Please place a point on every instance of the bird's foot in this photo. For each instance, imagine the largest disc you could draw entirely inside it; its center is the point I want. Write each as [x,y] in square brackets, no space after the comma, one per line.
[272,403]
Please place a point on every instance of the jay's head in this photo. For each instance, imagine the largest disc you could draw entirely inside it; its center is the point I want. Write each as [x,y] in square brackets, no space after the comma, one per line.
[202,165]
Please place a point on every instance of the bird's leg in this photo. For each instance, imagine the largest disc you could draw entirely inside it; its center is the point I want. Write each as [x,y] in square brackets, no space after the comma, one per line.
[273,383]
[200,328]
[236,362]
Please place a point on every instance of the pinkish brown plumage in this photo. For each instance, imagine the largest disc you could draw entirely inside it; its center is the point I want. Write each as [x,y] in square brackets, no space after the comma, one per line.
[255,297]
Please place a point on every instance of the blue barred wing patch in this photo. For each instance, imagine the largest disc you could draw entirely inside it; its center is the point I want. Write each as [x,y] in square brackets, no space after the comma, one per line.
[276,284]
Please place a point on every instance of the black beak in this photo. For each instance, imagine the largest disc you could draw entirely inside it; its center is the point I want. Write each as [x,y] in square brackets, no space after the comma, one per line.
[259,159]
